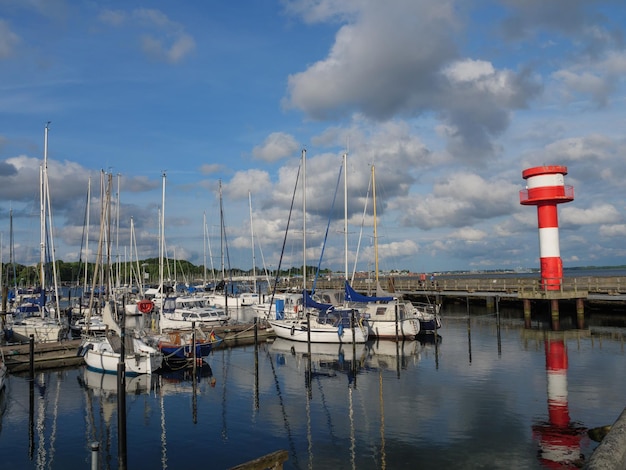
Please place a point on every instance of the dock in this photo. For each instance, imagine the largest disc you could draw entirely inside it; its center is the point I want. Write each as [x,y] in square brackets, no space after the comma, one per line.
[65,353]
[242,334]
[45,355]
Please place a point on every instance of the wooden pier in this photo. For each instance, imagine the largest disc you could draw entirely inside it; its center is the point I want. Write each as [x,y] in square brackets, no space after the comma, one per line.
[607,292]
[65,353]
[45,355]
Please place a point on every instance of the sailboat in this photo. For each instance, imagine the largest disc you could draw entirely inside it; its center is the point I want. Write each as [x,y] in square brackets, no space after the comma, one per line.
[388,317]
[105,353]
[180,337]
[317,322]
[224,293]
[37,317]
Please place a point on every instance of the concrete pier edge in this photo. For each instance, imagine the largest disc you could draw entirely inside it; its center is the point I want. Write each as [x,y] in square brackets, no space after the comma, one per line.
[611,452]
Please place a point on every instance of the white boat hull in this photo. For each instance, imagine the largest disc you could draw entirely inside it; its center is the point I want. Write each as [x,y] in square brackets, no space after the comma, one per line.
[42,329]
[391,320]
[100,355]
[408,328]
[296,330]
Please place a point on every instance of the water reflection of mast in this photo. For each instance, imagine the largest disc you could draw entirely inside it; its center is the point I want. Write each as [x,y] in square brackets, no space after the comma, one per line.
[383,456]
[292,446]
[498,325]
[55,415]
[41,418]
[163,429]
[469,331]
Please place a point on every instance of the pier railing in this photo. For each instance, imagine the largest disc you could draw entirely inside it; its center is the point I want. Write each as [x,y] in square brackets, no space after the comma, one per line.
[519,286]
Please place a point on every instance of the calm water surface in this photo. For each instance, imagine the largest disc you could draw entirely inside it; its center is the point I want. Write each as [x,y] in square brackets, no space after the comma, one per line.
[483,397]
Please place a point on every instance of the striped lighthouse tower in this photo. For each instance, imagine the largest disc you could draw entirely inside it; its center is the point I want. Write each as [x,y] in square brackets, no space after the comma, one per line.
[545,188]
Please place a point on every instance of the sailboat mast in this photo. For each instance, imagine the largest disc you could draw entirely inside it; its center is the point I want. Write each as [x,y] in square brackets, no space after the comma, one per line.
[222,229]
[304,219]
[375,232]
[252,243]
[42,210]
[345,213]
[118,262]
[162,238]
[87,234]
[204,235]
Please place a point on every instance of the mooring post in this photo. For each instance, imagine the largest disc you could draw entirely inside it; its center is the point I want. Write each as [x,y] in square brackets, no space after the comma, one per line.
[580,313]
[527,311]
[554,309]
[95,449]
[31,357]
[256,331]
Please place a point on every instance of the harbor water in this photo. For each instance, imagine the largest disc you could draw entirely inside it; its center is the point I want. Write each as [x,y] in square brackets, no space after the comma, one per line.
[486,394]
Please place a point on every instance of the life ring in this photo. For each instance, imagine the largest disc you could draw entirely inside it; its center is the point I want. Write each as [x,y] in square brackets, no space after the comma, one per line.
[145,305]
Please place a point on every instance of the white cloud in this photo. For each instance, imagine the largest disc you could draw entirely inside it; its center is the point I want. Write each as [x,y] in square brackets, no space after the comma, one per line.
[612,230]
[160,37]
[244,181]
[600,214]
[277,145]
[469,234]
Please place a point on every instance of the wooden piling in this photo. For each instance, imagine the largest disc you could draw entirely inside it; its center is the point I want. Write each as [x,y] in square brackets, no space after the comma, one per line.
[554,310]
[580,313]
[527,313]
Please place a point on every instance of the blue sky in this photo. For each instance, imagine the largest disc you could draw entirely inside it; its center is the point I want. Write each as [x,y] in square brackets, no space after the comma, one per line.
[450,100]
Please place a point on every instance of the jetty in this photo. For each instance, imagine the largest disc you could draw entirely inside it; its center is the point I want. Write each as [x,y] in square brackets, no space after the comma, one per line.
[37,356]
[584,292]
[18,357]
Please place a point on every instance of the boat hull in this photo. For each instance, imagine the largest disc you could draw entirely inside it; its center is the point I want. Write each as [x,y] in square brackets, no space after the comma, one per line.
[42,330]
[296,330]
[100,356]
[386,329]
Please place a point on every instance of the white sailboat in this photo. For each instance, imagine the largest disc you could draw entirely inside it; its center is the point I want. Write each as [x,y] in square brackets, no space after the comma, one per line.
[318,323]
[388,317]
[105,353]
[44,324]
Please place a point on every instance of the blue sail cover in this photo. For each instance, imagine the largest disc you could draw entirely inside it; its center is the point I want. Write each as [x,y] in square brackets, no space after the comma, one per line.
[354,296]
[309,302]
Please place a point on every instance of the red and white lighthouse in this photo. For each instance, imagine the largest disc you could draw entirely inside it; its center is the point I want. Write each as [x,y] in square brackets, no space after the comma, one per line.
[545,188]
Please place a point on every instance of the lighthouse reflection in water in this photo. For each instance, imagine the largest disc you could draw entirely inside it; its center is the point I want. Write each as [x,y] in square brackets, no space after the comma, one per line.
[486,394]
[559,437]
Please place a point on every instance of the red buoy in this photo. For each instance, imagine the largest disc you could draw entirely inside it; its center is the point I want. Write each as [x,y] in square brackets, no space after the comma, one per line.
[145,305]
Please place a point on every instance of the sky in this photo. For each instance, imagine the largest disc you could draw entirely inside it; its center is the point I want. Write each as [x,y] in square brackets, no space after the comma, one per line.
[448,100]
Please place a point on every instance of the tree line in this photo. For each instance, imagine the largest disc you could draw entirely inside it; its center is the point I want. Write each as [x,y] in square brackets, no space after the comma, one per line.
[73,273]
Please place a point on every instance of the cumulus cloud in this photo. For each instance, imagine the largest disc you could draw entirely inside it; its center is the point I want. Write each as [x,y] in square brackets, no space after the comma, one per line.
[7,169]
[460,200]
[243,181]
[600,214]
[382,65]
[469,234]
[612,230]
[569,17]
[594,147]
[160,37]
[277,145]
